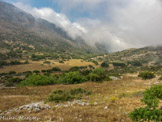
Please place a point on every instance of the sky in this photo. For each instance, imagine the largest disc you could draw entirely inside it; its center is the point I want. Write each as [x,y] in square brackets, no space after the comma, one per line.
[118,24]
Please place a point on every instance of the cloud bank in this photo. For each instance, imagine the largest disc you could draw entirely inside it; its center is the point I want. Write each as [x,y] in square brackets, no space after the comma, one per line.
[116,24]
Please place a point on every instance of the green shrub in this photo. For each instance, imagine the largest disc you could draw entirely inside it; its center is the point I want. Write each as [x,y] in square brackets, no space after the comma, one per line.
[62,95]
[118,64]
[72,78]
[94,77]
[150,112]
[104,64]
[76,91]
[95,62]
[61,61]
[14,80]
[56,69]
[27,73]
[146,75]
[12,73]
[97,75]
[36,71]
[100,72]
[135,63]
[37,80]
[85,72]
[15,62]
[3,63]
[75,68]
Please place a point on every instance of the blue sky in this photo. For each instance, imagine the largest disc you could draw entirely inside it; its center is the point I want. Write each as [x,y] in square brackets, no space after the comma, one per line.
[54,4]
[118,24]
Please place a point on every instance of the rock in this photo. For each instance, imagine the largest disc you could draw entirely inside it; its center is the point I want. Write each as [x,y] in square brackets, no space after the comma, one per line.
[106,107]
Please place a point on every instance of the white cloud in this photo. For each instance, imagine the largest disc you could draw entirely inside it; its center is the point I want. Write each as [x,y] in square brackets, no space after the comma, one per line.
[73,29]
[124,24]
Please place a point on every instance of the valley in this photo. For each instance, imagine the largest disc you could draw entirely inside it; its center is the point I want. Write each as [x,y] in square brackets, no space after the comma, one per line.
[48,76]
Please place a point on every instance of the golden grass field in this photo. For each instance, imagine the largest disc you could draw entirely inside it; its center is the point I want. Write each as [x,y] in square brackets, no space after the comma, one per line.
[120,97]
[39,65]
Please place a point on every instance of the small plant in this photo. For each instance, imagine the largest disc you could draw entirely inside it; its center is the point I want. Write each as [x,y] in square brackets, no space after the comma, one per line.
[146,75]
[150,112]
[62,95]
[113,99]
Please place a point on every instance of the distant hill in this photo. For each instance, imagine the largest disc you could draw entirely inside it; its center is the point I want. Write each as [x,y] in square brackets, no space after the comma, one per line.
[22,32]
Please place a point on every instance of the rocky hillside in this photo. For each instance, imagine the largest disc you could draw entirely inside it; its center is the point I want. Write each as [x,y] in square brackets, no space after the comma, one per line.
[22,30]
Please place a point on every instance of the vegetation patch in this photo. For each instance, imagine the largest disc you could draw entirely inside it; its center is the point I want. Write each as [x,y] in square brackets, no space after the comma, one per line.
[38,80]
[62,95]
[146,75]
[72,78]
[150,112]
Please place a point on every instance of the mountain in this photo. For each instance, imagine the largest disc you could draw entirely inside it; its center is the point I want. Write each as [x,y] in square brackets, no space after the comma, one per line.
[21,31]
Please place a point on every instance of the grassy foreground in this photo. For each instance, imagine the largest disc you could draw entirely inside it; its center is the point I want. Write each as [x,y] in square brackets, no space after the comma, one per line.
[109,101]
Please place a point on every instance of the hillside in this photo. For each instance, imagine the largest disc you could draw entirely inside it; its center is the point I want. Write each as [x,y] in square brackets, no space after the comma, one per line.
[46,76]
[21,32]
[133,60]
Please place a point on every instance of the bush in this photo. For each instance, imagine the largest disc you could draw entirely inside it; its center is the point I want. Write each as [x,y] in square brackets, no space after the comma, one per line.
[150,112]
[36,71]
[76,91]
[100,72]
[14,80]
[146,75]
[62,95]
[72,78]
[61,61]
[3,63]
[85,72]
[118,64]
[37,80]
[94,77]
[27,73]
[95,62]
[104,65]
[12,73]
[76,68]
[135,63]
[56,69]
[15,62]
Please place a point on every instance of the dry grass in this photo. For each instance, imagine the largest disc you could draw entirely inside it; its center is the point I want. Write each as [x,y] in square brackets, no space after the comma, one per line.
[38,65]
[117,111]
